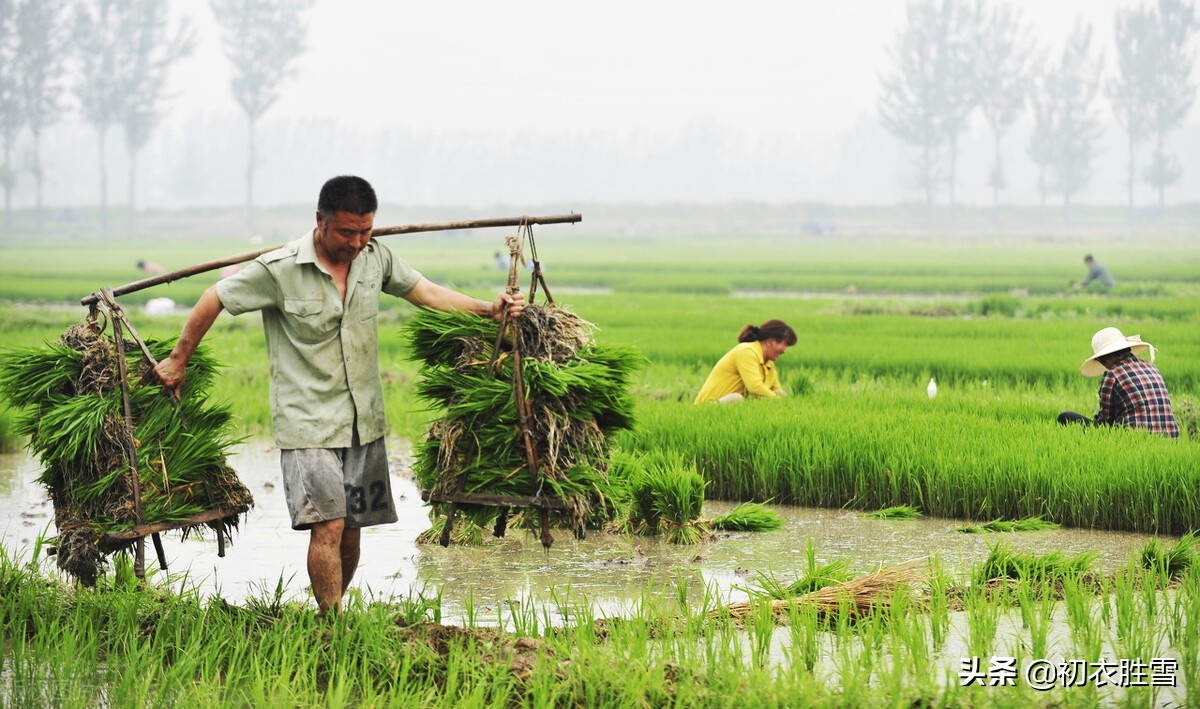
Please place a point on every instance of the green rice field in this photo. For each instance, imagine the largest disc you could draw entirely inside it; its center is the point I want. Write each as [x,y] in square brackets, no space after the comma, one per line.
[989,313]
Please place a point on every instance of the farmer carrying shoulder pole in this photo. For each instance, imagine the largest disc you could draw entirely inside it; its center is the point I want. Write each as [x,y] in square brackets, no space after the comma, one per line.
[1132,392]
[319,296]
[749,368]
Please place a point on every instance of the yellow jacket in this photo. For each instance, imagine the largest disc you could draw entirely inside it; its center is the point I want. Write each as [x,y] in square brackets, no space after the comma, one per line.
[744,371]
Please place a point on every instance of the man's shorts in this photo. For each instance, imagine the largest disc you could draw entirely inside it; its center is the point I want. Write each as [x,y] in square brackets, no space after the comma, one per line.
[331,483]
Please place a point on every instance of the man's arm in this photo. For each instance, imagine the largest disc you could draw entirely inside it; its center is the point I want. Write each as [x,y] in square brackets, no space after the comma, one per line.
[172,370]
[427,294]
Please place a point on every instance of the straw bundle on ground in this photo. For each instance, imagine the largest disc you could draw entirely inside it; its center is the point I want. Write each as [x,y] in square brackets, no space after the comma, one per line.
[577,392]
[873,593]
[69,394]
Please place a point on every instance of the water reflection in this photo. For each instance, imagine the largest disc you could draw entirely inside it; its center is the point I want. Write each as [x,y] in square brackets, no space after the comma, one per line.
[611,571]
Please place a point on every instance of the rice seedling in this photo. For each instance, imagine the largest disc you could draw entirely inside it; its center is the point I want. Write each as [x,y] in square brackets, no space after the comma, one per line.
[1052,568]
[748,517]
[1170,561]
[897,512]
[71,406]
[816,576]
[1029,524]
[486,443]
[667,495]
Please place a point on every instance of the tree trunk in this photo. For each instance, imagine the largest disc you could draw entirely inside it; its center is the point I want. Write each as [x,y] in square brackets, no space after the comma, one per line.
[953,176]
[102,134]
[1162,183]
[8,186]
[37,178]
[996,171]
[132,187]
[250,157]
[1130,171]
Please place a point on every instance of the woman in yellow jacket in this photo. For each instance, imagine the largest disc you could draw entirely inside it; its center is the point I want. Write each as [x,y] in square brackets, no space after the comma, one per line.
[749,368]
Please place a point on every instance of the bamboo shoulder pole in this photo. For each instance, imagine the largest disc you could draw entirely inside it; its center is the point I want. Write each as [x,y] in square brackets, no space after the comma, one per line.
[384,231]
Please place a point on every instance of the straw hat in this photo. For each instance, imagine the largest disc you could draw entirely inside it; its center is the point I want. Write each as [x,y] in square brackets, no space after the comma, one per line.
[1110,340]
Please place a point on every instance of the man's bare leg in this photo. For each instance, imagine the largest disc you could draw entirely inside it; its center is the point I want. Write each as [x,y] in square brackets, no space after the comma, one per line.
[349,552]
[325,563]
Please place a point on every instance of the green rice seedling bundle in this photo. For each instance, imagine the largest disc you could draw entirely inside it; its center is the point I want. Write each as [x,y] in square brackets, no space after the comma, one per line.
[577,392]
[1053,568]
[667,495]
[1174,560]
[814,579]
[70,399]
[1029,524]
[748,517]
[897,512]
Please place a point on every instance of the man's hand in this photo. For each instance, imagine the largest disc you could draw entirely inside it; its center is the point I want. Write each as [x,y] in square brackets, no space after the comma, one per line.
[170,374]
[514,304]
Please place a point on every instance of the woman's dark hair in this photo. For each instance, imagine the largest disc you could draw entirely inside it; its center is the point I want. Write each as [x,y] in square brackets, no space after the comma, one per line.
[770,330]
[347,193]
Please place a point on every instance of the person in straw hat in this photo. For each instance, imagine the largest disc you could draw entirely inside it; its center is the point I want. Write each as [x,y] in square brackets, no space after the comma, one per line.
[1132,392]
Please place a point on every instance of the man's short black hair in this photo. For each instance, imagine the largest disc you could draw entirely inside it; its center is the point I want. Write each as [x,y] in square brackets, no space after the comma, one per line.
[347,193]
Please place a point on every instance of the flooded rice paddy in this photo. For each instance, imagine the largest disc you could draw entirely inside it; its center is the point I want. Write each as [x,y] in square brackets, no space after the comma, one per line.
[611,571]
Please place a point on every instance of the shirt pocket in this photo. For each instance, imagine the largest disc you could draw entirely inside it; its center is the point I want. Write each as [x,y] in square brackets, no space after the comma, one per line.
[308,319]
[366,297]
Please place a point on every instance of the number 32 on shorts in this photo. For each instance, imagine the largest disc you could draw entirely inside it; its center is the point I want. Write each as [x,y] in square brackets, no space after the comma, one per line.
[356,497]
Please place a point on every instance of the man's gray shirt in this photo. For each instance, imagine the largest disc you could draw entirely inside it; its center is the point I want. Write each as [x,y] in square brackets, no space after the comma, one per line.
[323,354]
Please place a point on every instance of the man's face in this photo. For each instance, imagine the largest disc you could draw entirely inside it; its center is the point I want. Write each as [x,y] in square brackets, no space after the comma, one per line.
[341,237]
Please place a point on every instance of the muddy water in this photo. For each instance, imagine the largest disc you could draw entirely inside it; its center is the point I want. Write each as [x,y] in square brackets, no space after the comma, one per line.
[611,571]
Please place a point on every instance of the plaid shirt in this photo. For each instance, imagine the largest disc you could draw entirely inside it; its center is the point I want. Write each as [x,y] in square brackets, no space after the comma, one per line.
[1133,394]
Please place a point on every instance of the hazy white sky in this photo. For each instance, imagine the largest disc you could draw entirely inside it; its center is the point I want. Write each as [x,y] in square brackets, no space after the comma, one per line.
[807,68]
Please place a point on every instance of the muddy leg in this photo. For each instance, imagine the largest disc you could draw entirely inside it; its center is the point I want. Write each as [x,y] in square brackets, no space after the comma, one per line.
[325,563]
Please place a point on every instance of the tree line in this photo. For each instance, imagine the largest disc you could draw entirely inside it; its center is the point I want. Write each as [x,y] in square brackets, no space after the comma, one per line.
[109,61]
[955,59]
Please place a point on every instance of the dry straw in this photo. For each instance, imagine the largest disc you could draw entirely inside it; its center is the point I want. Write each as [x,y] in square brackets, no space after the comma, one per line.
[854,599]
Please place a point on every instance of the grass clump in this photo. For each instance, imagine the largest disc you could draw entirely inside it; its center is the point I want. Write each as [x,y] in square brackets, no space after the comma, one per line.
[1028,524]
[69,396]
[897,512]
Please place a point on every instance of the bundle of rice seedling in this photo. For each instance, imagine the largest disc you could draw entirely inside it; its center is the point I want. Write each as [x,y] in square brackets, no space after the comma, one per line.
[748,517]
[1028,524]
[814,579]
[857,598]
[667,494]
[70,398]
[899,512]
[1174,560]
[576,392]
[1052,568]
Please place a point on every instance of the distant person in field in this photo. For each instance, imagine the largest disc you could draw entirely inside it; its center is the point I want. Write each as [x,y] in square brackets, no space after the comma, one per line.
[1132,392]
[749,368]
[1097,273]
[149,268]
[319,300]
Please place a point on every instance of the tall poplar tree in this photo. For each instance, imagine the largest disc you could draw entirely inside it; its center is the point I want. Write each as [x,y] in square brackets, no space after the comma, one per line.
[155,48]
[929,95]
[263,39]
